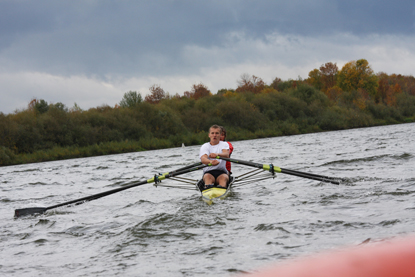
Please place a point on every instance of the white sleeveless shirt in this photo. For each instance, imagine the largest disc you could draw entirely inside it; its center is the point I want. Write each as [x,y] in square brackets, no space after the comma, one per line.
[207,148]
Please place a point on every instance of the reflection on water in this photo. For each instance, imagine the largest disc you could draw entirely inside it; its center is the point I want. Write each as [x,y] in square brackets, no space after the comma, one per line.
[148,230]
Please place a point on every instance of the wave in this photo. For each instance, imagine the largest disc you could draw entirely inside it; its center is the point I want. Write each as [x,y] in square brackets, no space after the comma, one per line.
[404,156]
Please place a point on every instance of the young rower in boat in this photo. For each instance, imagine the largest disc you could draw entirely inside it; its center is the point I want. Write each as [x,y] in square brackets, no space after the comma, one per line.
[223,138]
[217,174]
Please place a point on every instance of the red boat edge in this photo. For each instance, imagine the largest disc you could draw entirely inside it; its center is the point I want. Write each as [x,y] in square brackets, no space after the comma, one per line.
[394,257]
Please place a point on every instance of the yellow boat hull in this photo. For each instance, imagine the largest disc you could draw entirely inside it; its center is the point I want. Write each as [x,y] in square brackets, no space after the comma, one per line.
[215,193]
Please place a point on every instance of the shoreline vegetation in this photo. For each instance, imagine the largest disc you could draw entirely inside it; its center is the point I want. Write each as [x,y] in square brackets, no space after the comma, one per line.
[329,99]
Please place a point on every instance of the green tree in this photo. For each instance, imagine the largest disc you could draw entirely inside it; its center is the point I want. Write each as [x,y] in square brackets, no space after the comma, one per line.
[358,75]
[41,106]
[131,99]
[59,106]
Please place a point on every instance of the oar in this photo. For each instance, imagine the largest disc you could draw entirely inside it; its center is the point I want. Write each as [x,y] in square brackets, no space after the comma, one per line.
[155,179]
[184,168]
[271,168]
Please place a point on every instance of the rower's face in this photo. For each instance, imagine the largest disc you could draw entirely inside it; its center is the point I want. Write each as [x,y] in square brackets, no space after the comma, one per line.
[214,135]
[222,137]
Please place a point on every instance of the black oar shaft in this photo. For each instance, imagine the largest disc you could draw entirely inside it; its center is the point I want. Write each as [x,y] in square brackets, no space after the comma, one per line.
[98,195]
[155,179]
[270,167]
[310,176]
[257,165]
[186,167]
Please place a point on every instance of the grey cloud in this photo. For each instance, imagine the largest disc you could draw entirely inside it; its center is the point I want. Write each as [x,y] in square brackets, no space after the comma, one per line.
[129,38]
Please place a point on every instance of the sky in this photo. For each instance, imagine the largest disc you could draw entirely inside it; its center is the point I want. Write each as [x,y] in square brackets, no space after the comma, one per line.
[91,52]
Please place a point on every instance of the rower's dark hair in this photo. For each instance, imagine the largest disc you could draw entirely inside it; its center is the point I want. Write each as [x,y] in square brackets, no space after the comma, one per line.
[223,131]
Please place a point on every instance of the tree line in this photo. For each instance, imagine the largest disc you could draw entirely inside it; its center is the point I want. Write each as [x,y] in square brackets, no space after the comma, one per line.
[329,99]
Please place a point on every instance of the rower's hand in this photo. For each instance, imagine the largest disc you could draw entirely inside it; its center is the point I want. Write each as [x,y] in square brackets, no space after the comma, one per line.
[213,155]
[214,162]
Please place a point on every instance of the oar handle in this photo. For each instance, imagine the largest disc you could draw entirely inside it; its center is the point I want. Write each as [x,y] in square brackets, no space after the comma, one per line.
[268,167]
[186,167]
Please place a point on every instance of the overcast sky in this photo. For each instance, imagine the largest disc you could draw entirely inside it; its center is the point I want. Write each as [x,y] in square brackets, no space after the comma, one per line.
[91,52]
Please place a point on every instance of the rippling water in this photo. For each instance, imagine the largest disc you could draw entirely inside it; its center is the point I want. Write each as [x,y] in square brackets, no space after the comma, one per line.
[158,231]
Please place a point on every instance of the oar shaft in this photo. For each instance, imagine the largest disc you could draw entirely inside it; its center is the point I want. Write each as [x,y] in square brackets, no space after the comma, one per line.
[270,167]
[309,176]
[257,165]
[151,180]
[156,178]
[98,195]
[186,167]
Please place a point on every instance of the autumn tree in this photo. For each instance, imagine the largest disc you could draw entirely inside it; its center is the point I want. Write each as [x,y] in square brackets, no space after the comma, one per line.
[383,85]
[32,104]
[391,93]
[252,83]
[188,94]
[276,82]
[329,73]
[156,94]
[392,85]
[315,79]
[198,91]
[407,83]
[333,93]
[358,75]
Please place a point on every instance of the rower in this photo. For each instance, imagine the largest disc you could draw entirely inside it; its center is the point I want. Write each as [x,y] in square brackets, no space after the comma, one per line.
[217,174]
[223,138]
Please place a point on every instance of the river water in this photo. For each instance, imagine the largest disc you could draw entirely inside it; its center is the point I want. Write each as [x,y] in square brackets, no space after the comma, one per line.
[162,231]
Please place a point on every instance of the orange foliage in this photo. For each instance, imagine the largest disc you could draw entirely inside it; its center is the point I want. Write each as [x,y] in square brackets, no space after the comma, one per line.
[358,75]
[198,91]
[392,85]
[360,101]
[390,98]
[333,93]
[391,93]
[329,75]
[253,84]
[383,87]
[397,89]
[276,82]
[268,90]
[315,79]
[32,104]
[229,94]
[187,94]
[156,95]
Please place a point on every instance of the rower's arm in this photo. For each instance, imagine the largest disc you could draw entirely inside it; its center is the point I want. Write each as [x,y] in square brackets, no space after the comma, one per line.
[204,159]
[224,154]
